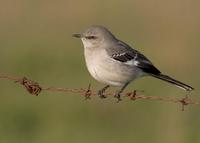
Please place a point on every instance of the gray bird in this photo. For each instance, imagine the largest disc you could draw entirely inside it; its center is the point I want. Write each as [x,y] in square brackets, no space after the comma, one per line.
[113,62]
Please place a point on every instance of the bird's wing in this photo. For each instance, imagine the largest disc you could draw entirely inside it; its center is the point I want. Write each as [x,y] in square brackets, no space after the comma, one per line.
[125,54]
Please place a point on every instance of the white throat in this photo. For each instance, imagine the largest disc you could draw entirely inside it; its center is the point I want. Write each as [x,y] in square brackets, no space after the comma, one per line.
[86,43]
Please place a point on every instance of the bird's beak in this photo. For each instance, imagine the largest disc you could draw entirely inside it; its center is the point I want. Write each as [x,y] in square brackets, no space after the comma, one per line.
[77,35]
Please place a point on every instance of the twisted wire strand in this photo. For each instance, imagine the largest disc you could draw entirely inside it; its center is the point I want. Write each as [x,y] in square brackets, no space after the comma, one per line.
[35,89]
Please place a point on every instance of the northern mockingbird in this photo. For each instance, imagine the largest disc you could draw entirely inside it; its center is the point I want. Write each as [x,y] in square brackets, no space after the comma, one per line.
[113,62]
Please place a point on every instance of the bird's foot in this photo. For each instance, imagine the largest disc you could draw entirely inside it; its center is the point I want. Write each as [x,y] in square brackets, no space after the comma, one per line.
[118,96]
[101,92]
[88,92]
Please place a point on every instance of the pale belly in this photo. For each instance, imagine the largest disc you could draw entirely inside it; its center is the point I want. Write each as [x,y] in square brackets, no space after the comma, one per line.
[108,71]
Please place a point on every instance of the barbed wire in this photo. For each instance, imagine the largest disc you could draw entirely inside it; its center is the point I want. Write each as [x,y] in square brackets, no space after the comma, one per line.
[35,89]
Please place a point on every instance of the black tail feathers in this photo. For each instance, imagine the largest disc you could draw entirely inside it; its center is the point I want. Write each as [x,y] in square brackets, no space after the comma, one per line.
[173,81]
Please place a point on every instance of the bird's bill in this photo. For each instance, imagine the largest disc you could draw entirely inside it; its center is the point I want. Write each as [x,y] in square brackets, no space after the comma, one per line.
[77,35]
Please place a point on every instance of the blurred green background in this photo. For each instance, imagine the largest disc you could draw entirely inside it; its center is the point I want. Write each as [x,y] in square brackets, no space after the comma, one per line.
[36,41]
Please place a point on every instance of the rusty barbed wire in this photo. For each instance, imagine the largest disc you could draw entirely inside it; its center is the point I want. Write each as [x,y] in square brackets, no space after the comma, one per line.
[35,89]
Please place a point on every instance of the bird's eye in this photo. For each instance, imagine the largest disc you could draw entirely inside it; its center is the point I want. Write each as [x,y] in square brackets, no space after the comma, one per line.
[91,37]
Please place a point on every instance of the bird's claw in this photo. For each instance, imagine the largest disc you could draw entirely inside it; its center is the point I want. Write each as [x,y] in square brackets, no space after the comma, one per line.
[101,94]
[133,95]
[118,96]
[88,93]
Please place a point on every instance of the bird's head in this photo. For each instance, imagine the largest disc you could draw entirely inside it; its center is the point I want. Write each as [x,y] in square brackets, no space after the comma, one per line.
[95,36]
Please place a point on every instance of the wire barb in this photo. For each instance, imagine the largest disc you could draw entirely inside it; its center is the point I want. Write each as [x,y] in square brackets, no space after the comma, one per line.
[185,101]
[31,86]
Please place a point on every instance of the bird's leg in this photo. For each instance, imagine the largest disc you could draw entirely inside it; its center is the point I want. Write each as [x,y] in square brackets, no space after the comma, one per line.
[101,92]
[118,94]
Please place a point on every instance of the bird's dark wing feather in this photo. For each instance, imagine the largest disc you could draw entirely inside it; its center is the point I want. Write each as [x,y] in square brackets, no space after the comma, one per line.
[124,53]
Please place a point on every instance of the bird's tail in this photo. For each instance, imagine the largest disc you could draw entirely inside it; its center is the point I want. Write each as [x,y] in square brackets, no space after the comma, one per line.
[173,81]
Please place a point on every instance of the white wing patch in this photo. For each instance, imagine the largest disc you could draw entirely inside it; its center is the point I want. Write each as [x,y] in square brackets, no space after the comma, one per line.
[132,62]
